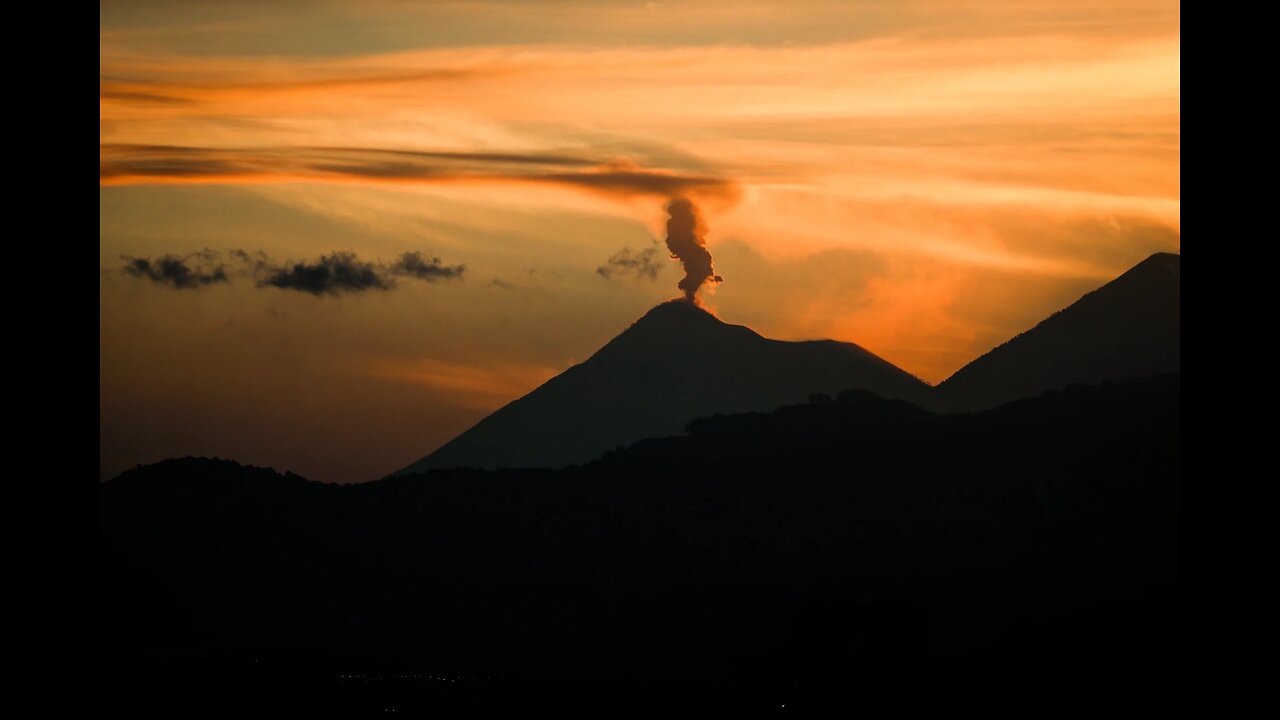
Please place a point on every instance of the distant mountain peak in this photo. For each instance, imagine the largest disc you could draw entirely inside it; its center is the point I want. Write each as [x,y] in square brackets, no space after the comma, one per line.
[1128,328]
[1167,259]
[1158,267]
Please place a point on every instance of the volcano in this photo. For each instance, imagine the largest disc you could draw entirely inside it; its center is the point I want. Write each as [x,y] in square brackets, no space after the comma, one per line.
[676,363]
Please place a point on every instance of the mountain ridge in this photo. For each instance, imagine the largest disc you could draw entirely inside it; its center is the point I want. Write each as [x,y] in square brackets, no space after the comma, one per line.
[678,362]
[1036,543]
[1129,327]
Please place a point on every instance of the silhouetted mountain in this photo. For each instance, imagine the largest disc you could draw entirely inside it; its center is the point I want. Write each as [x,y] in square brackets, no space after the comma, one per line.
[819,554]
[676,363]
[1128,328]
[679,363]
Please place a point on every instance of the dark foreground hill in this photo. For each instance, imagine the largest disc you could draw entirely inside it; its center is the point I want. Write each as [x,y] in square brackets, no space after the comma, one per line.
[1128,328]
[676,363]
[819,555]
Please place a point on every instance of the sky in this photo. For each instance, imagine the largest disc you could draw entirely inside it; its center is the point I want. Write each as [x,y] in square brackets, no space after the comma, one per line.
[335,234]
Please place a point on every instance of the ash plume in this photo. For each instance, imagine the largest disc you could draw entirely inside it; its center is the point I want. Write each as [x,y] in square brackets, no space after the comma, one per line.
[685,241]
[643,264]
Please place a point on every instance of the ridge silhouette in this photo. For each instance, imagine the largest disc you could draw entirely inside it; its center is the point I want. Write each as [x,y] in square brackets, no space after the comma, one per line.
[1128,328]
[679,362]
[822,555]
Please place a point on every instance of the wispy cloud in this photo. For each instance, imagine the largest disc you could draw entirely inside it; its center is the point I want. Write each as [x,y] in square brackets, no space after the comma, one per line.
[129,163]
[139,96]
[320,30]
[483,387]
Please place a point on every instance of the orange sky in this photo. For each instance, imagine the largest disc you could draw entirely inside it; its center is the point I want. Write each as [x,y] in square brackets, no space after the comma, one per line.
[923,179]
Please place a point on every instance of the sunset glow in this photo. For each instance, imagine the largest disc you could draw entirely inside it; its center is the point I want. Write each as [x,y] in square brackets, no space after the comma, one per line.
[924,179]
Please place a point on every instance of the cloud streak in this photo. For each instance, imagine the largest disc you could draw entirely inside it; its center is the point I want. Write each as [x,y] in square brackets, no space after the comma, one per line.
[207,90]
[337,273]
[121,163]
[474,386]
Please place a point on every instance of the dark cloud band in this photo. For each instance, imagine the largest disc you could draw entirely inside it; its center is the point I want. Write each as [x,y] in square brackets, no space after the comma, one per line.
[333,274]
[122,163]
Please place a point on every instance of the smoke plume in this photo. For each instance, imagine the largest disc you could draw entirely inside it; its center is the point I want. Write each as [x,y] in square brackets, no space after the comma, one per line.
[685,241]
[644,264]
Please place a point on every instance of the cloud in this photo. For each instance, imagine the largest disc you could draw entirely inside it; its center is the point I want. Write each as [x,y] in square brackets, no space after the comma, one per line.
[333,274]
[414,265]
[485,157]
[643,264]
[641,182]
[140,97]
[121,163]
[189,272]
[214,89]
